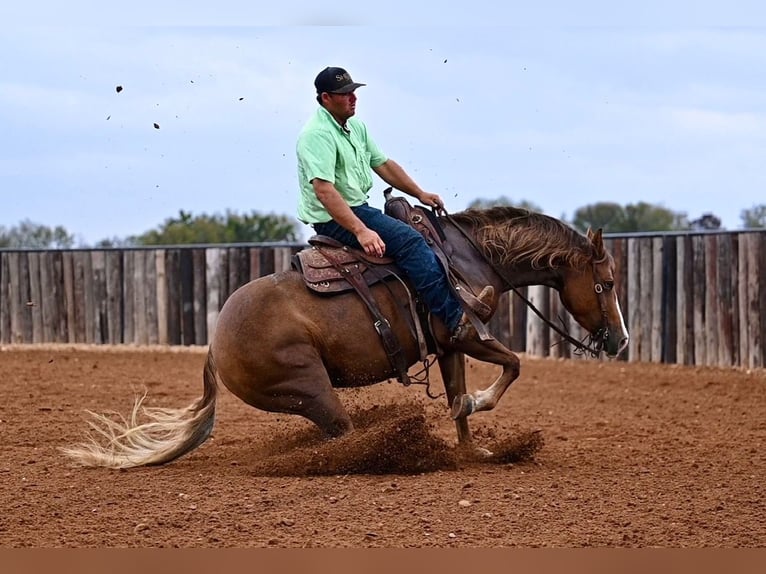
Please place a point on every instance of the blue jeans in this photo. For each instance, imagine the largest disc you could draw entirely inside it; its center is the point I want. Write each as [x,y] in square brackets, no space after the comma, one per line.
[412,254]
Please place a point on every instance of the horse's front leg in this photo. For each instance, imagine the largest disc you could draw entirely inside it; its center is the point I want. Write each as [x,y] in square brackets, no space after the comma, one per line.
[452,367]
[465,404]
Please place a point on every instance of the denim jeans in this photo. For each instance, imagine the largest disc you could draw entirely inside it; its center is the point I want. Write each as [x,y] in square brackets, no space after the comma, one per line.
[412,254]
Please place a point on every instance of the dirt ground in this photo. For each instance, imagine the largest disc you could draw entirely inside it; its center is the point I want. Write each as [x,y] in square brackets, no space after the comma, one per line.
[607,454]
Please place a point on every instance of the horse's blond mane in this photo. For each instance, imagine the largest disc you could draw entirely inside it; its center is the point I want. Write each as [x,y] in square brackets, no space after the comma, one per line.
[511,235]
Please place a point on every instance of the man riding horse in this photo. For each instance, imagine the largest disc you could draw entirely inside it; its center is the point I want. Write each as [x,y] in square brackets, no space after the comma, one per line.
[336,157]
[281,347]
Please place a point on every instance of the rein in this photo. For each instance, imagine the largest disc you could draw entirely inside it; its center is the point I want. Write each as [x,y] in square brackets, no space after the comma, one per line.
[594,348]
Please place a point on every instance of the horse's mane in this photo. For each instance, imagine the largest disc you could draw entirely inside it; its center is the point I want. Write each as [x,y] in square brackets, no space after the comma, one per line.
[510,234]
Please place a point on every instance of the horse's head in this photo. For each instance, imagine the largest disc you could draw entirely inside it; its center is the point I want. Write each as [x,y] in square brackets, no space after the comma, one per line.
[589,295]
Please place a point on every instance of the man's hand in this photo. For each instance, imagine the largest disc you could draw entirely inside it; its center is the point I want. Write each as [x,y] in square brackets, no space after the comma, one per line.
[432,200]
[371,242]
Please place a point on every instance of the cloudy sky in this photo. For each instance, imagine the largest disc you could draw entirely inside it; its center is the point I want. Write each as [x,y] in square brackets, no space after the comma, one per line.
[559,107]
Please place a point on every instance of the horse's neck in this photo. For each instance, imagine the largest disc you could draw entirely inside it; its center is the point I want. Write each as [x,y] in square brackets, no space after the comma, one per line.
[475,266]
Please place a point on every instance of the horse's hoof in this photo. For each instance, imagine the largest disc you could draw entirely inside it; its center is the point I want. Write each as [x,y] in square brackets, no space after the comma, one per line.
[475,453]
[462,406]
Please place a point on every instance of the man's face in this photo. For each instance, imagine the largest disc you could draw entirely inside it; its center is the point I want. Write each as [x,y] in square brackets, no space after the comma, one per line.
[341,106]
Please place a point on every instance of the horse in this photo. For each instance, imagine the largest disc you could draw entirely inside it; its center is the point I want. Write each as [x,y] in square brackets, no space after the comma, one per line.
[283,348]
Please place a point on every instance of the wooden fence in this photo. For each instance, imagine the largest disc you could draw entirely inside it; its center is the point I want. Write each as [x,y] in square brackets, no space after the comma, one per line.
[693,298]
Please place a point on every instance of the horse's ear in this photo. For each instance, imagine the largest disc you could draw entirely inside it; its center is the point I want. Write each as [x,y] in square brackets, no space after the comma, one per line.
[597,239]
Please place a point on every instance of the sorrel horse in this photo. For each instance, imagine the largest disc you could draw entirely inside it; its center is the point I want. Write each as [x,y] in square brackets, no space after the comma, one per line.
[282,348]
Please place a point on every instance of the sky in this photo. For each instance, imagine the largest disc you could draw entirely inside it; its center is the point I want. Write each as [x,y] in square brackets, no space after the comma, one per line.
[561,104]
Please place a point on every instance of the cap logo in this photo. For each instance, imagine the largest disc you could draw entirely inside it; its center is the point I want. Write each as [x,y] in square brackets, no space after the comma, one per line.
[341,77]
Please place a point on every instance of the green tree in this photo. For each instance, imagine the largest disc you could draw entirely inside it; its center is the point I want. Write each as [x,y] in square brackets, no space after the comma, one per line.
[633,217]
[755,217]
[604,215]
[228,228]
[29,235]
[503,201]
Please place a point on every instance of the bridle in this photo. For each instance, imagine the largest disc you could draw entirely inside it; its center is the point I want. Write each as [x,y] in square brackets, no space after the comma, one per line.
[593,343]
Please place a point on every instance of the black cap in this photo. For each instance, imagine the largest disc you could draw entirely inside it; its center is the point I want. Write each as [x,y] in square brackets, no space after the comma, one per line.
[335,81]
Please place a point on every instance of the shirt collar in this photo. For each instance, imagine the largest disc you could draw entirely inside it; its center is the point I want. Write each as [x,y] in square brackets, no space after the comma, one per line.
[327,117]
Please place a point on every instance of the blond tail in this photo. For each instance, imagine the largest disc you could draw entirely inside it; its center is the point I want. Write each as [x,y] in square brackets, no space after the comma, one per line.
[168,434]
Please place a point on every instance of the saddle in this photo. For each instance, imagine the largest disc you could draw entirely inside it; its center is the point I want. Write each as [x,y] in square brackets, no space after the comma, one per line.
[321,273]
[330,267]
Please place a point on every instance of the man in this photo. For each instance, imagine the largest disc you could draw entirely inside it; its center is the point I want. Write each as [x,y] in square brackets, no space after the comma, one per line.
[336,157]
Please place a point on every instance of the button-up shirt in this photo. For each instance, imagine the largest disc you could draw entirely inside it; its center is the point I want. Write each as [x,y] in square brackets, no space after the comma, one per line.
[341,155]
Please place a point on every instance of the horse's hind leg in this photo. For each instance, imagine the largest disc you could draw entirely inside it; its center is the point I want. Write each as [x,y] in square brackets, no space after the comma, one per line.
[300,389]
[312,398]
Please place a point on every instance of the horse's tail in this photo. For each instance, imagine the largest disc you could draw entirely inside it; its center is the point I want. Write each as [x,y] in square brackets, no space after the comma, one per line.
[167,435]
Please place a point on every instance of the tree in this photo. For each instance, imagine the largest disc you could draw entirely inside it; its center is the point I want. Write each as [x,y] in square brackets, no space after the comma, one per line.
[604,215]
[503,201]
[29,235]
[755,217]
[217,228]
[633,217]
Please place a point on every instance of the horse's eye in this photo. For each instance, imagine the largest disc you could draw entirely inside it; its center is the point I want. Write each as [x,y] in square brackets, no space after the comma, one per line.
[608,285]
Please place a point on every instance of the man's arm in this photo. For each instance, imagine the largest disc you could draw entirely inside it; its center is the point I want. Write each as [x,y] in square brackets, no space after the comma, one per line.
[394,175]
[339,210]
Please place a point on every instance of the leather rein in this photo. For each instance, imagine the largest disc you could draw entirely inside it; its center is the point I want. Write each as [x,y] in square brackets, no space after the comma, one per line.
[595,342]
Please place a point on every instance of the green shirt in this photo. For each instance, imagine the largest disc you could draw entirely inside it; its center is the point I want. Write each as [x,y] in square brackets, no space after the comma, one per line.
[341,156]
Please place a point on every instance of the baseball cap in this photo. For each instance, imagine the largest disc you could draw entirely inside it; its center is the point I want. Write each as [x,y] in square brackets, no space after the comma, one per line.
[335,81]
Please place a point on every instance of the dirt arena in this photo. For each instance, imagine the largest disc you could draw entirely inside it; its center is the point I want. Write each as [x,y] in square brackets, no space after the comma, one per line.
[607,454]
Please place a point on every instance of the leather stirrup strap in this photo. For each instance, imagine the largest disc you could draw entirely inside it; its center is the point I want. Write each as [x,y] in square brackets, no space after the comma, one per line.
[382,326]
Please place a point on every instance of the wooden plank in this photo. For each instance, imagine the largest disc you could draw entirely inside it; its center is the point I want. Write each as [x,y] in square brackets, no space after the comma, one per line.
[711,299]
[755,354]
[645,298]
[535,326]
[15,298]
[761,316]
[634,291]
[620,255]
[187,296]
[61,334]
[282,259]
[35,302]
[255,263]
[114,296]
[173,281]
[213,258]
[140,335]
[698,293]
[48,297]
[162,297]
[88,302]
[734,286]
[78,276]
[685,301]
[14,310]
[669,300]
[726,301]
[100,301]
[267,261]
[199,296]
[657,299]
[69,295]
[150,297]
[128,294]
[556,347]
[239,268]
[519,321]
[5,310]
[742,292]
